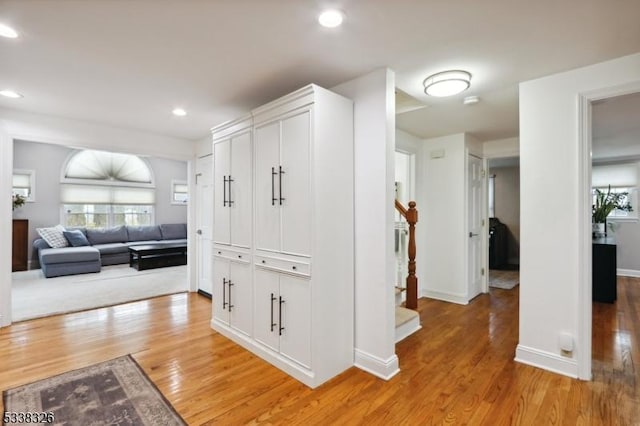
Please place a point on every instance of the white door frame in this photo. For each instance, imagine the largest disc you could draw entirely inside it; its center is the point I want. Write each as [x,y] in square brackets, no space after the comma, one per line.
[6,227]
[483,245]
[584,218]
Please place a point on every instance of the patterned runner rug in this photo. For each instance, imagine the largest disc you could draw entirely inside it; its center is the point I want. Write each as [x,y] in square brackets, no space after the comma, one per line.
[115,392]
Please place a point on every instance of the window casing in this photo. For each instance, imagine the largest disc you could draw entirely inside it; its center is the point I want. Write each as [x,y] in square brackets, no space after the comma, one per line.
[24,184]
[179,192]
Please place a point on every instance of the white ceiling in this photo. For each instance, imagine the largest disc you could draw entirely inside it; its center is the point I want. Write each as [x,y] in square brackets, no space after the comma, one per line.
[129,63]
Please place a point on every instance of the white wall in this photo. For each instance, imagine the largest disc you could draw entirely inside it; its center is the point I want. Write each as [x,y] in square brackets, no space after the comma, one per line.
[374,132]
[555,243]
[443,218]
[203,146]
[6,170]
[501,148]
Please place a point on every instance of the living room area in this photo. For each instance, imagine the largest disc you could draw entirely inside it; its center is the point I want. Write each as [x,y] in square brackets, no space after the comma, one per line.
[95,228]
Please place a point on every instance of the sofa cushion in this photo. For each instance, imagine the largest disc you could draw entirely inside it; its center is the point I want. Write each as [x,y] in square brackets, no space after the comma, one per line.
[112,248]
[144,233]
[53,236]
[76,238]
[173,231]
[68,254]
[107,235]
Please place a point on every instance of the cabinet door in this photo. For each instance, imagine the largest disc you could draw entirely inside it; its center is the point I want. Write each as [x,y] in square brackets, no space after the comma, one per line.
[240,194]
[295,341]
[267,160]
[241,311]
[265,320]
[221,171]
[220,289]
[296,211]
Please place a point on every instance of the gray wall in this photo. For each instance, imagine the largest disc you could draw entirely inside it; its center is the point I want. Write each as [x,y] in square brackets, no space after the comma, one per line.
[507,206]
[627,235]
[47,160]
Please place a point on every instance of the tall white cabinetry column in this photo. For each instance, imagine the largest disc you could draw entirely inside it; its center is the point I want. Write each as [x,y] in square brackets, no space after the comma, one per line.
[232,226]
[302,252]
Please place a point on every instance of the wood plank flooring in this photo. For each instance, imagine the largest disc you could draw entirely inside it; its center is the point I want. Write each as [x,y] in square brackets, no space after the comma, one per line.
[458,369]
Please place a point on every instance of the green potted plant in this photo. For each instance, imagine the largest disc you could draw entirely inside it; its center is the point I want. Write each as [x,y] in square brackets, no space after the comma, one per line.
[18,201]
[604,204]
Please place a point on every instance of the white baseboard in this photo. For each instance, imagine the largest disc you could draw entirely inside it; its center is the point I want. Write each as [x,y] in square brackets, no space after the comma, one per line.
[385,369]
[547,361]
[628,273]
[460,299]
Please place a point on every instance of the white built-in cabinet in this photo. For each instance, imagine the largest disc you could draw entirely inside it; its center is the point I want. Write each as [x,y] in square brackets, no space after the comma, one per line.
[283,266]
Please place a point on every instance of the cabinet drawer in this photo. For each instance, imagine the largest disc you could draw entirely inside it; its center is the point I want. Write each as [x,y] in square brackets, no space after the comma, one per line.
[238,256]
[283,265]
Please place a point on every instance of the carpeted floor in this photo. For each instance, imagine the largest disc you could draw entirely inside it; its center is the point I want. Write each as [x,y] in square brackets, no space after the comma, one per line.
[115,392]
[504,279]
[35,296]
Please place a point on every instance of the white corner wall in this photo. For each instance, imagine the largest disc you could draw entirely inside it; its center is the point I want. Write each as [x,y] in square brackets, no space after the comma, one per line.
[6,225]
[443,218]
[374,132]
[555,253]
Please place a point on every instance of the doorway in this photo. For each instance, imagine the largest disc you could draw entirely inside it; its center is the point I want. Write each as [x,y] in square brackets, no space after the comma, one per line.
[504,222]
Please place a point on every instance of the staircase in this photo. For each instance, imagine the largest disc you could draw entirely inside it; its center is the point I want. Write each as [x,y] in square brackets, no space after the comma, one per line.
[407,318]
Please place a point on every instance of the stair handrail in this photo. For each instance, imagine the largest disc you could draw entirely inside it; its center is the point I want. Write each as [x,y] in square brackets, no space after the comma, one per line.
[411,216]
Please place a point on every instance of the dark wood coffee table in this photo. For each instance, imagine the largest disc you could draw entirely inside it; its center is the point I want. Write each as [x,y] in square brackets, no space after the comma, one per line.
[151,256]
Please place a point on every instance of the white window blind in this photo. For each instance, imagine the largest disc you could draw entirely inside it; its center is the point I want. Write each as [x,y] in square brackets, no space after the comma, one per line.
[96,194]
[616,175]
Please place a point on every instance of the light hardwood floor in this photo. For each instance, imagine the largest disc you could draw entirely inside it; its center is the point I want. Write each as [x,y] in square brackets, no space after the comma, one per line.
[458,369]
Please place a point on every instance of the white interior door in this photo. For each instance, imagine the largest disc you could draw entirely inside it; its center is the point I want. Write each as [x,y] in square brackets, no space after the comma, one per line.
[204,225]
[296,209]
[267,159]
[474,215]
[240,190]
[221,172]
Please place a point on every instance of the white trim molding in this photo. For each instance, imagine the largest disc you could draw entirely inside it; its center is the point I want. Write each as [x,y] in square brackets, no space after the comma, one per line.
[383,368]
[628,273]
[460,299]
[547,361]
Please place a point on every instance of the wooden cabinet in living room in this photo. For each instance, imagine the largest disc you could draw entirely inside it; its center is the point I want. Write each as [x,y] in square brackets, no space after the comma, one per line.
[282,320]
[20,242]
[232,209]
[232,294]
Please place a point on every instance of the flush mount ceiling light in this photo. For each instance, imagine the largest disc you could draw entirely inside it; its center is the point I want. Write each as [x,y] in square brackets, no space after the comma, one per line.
[10,94]
[447,83]
[8,32]
[331,18]
[179,112]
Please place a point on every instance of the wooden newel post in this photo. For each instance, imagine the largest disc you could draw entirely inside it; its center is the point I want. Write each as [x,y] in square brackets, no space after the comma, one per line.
[412,280]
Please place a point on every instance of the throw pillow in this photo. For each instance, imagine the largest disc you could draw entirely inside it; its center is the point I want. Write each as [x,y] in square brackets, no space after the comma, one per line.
[53,236]
[76,238]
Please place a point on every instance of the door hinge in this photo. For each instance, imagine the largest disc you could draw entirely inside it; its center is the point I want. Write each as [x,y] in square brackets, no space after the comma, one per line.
[482,271]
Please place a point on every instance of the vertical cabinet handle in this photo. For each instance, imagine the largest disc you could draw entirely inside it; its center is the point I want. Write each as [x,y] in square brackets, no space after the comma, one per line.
[224,191]
[280,172]
[224,294]
[273,186]
[229,283]
[229,180]
[273,299]
[280,328]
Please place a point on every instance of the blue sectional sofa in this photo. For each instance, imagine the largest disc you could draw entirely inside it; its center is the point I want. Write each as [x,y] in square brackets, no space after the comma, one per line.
[107,246]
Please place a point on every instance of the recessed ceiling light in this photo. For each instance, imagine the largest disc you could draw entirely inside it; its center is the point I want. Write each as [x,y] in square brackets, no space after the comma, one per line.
[447,83]
[470,100]
[10,94]
[8,32]
[331,18]
[179,112]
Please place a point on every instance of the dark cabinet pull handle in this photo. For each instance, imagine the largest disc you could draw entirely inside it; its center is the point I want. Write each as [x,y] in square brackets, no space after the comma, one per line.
[273,324]
[294,268]
[264,261]
[224,294]
[219,252]
[229,180]
[229,283]
[224,191]
[280,328]
[281,172]
[273,189]
[239,256]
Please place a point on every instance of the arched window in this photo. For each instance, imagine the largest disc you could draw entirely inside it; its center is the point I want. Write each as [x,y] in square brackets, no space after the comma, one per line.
[100,189]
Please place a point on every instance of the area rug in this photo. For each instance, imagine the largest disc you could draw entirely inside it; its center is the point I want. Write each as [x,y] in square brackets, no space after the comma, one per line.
[115,392]
[505,280]
[35,296]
